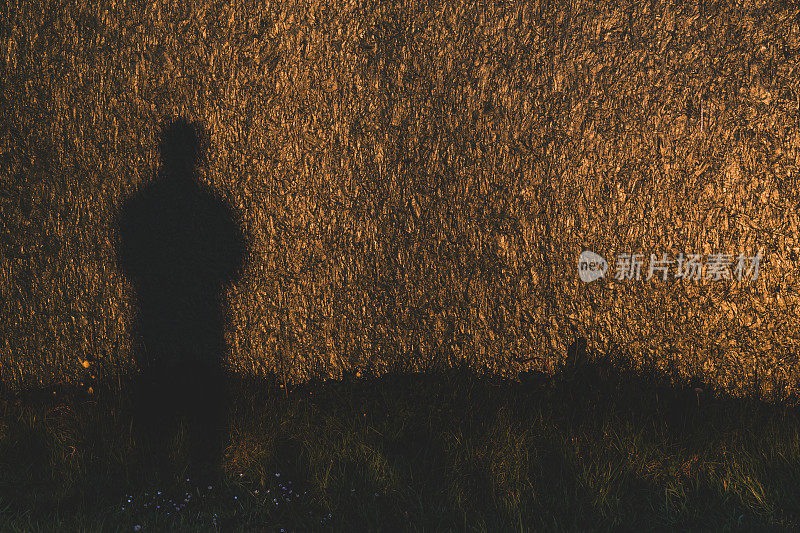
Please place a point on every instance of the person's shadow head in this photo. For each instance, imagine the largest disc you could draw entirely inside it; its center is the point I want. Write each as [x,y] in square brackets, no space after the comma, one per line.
[180,245]
[183,147]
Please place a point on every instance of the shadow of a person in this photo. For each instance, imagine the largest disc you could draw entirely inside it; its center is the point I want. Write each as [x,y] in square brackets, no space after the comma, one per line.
[179,244]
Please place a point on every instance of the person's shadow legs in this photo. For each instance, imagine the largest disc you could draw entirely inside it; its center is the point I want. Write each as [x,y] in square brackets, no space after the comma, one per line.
[167,400]
[206,420]
[155,422]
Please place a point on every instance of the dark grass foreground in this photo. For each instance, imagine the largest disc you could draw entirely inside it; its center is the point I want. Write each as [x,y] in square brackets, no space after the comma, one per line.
[594,448]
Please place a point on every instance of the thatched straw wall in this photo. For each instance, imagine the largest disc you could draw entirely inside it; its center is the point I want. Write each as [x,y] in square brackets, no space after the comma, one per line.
[418,179]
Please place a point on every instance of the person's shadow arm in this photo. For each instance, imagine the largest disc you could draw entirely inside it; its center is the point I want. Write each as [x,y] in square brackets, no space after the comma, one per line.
[230,241]
[236,245]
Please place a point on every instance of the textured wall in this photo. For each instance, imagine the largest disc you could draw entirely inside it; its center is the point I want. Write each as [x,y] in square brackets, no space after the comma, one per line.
[418,179]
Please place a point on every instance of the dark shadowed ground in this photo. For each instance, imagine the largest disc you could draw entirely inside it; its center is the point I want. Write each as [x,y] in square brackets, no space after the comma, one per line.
[598,447]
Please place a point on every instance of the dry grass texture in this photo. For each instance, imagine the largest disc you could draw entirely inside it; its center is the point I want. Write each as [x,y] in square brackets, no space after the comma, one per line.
[418,180]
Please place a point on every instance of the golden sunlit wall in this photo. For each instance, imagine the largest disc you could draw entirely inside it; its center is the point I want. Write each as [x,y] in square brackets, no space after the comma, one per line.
[418,180]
